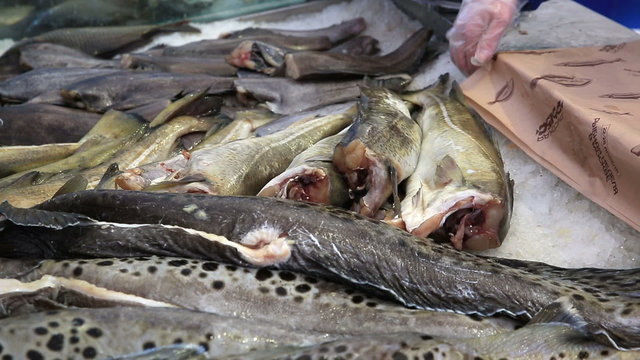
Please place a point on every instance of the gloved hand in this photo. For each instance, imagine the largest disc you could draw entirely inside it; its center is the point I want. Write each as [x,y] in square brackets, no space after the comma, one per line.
[477,31]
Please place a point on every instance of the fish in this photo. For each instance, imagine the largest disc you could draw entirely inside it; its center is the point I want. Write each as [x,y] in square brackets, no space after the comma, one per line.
[150,110]
[47,55]
[380,149]
[15,159]
[331,243]
[199,103]
[459,191]
[242,126]
[335,33]
[306,65]
[312,177]
[212,65]
[283,298]
[285,96]
[225,46]
[240,167]
[170,352]
[105,41]
[258,56]
[116,331]
[532,342]
[128,90]
[358,46]
[12,15]
[36,82]
[284,122]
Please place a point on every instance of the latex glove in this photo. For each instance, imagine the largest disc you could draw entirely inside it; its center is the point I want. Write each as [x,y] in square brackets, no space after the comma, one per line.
[477,31]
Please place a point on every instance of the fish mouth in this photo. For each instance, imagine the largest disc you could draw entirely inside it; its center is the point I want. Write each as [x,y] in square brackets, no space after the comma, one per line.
[312,186]
[471,223]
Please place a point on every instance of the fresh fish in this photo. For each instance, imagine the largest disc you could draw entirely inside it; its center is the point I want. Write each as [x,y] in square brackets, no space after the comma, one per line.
[105,41]
[286,96]
[459,190]
[335,33]
[298,117]
[197,104]
[286,299]
[311,176]
[258,56]
[12,15]
[33,83]
[225,46]
[15,159]
[533,342]
[304,65]
[240,167]
[128,90]
[213,65]
[117,331]
[379,150]
[241,127]
[47,55]
[358,46]
[336,244]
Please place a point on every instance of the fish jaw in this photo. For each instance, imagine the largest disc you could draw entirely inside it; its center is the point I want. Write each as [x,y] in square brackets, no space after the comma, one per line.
[302,183]
[470,218]
[363,169]
[141,177]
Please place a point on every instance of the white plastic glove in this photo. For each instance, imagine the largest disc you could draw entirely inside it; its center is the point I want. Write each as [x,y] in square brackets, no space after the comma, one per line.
[477,31]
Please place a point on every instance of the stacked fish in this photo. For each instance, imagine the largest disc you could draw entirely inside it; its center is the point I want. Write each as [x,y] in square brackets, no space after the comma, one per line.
[329,261]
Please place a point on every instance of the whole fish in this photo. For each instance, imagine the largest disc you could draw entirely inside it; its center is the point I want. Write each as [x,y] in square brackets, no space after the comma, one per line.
[242,126]
[128,90]
[459,190]
[225,46]
[311,177]
[299,117]
[305,65]
[532,342]
[213,65]
[379,150]
[330,243]
[335,33]
[47,55]
[117,331]
[358,46]
[283,298]
[15,159]
[240,167]
[35,82]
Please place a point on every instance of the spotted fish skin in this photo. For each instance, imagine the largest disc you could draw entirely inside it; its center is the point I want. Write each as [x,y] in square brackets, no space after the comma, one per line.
[338,244]
[106,332]
[284,298]
[533,342]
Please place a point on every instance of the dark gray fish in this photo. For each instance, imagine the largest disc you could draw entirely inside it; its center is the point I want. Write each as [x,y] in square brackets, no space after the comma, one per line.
[286,96]
[305,65]
[258,56]
[33,83]
[150,110]
[225,46]
[335,33]
[283,298]
[124,91]
[338,244]
[35,124]
[118,331]
[47,55]
[212,65]
[358,46]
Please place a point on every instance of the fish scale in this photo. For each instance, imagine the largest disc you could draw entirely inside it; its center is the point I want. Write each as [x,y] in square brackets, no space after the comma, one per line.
[285,298]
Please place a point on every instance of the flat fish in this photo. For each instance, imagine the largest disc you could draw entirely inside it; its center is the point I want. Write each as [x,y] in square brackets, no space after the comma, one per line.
[338,244]
[117,331]
[459,191]
[286,299]
[533,342]
[306,65]
[380,149]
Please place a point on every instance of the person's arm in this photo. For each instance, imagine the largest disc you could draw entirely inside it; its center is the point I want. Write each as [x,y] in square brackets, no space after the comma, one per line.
[477,31]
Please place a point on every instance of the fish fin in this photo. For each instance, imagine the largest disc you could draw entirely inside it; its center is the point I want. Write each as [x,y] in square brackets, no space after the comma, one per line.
[41,218]
[75,184]
[111,172]
[448,171]
[457,94]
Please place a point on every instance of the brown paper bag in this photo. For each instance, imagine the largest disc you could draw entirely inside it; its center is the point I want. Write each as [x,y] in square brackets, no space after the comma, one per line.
[576,111]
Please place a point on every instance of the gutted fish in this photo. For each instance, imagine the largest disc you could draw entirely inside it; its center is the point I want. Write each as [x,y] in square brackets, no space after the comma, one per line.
[459,191]
[379,150]
[258,56]
[311,177]
[336,244]
[116,331]
[284,298]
